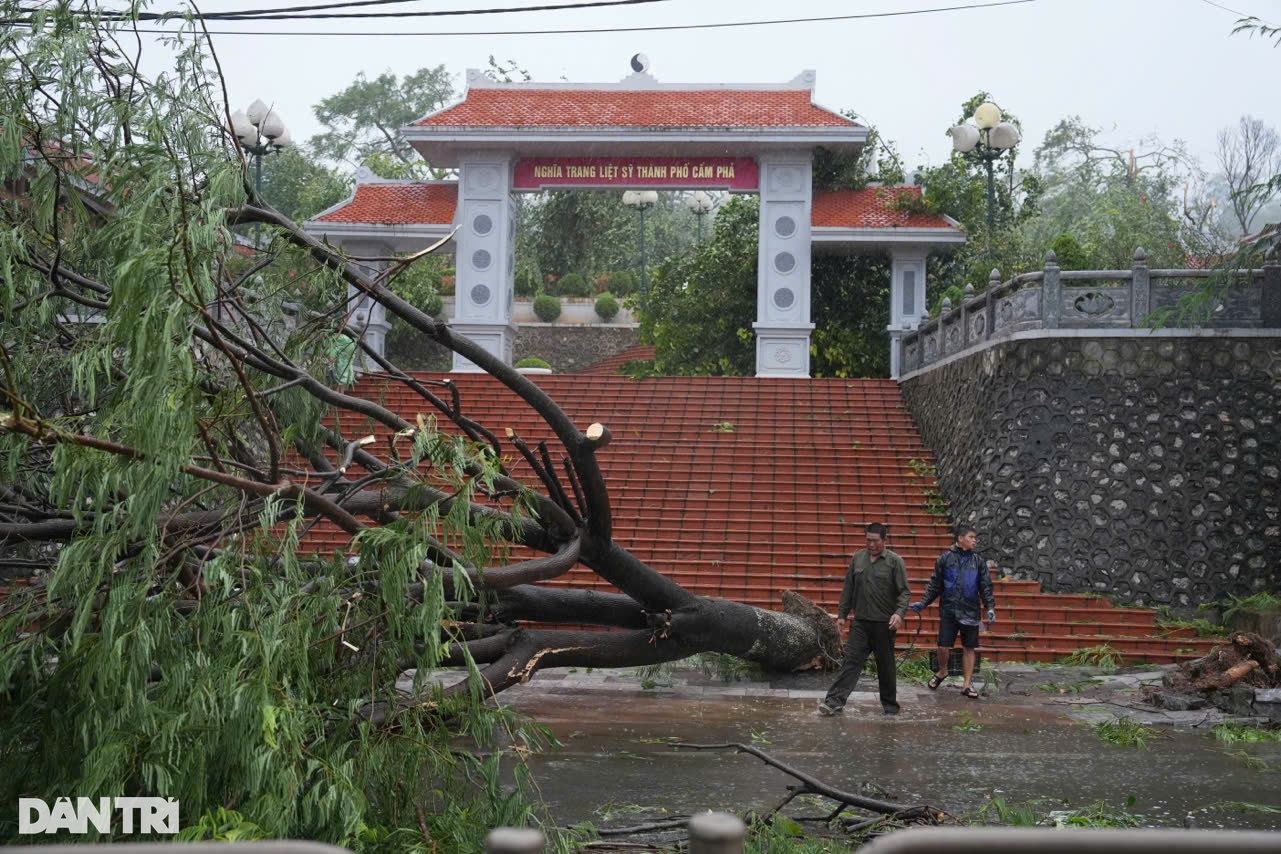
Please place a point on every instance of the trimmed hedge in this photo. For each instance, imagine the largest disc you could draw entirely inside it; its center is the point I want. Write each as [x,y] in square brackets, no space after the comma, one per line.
[573,285]
[532,362]
[606,307]
[546,308]
[622,283]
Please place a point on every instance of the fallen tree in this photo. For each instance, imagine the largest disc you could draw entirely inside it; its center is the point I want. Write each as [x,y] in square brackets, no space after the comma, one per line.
[168,436]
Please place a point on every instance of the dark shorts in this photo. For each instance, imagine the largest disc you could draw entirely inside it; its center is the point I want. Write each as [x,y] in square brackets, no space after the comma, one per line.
[949,628]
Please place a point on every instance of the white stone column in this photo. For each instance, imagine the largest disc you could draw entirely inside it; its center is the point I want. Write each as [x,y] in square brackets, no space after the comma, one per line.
[483,289]
[783,282]
[907,297]
[365,317]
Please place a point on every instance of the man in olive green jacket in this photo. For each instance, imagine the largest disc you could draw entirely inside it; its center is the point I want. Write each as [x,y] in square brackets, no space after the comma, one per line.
[876,590]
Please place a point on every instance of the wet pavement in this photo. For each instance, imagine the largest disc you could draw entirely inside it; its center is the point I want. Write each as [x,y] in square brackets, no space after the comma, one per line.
[1029,739]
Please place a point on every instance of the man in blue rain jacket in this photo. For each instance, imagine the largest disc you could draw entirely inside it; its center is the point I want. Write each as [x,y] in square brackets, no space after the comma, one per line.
[960,582]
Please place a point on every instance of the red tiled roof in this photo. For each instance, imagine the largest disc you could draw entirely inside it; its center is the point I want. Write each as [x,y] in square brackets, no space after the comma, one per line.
[737,108]
[398,204]
[871,207]
[612,364]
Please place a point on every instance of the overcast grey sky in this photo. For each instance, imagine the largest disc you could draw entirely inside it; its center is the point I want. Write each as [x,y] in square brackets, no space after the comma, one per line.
[1135,67]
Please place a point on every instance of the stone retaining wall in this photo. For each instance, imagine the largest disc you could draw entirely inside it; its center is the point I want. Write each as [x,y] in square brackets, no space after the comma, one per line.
[1143,466]
[566,348]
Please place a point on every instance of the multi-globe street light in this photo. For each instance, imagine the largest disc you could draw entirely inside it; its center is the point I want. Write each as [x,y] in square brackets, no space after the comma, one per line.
[987,139]
[700,204]
[261,131]
[641,200]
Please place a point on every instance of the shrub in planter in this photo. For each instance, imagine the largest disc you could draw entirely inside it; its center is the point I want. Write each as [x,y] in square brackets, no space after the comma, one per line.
[532,362]
[606,307]
[546,307]
[573,285]
[622,283]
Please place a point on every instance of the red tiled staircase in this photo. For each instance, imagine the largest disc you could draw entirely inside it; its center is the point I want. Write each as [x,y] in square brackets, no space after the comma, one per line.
[743,488]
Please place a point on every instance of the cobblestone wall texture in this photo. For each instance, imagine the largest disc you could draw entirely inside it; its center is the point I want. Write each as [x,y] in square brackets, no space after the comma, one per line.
[1144,468]
[566,348]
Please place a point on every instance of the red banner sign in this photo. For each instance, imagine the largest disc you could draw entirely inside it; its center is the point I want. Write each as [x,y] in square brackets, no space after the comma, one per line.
[724,173]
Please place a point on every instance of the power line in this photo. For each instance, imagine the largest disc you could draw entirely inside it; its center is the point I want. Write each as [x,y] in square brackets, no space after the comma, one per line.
[603,30]
[307,13]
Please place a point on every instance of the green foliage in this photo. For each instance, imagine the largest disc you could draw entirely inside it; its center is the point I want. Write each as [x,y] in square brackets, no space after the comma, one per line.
[1039,813]
[546,308]
[214,662]
[1232,732]
[702,305]
[1203,627]
[299,186]
[573,285]
[606,307]
[591,232]
[1253,602]
[1101,656]
[532,362]
[967,724]
[878,160]
[363,121]
[527,281]
[1126,732]
[915,667]
[924,470]
[1069,254]
[623,283]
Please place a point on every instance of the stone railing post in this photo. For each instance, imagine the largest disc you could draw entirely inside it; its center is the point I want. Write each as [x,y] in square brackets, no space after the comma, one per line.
[515,840]
[992,282]
[716,833]
[1140,289]
[1051,293]
[1270,304]
[944,310]
[965,315]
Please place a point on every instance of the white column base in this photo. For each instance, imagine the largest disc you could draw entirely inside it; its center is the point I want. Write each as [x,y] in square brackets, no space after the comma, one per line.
[896,351]
[495,338]
[783,350]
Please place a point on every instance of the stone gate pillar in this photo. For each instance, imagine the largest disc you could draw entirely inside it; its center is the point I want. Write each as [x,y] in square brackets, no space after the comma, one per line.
[783,280]
[486,240]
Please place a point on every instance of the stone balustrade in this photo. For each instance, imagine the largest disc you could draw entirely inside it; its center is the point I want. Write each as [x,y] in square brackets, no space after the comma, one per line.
[1054,299]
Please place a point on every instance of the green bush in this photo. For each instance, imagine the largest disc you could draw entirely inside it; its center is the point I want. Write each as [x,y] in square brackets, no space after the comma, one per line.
[622,283]
[546,307]
[532,362]
[606,307]
[433,304]
[1069,253]
[573,285]
[526,282]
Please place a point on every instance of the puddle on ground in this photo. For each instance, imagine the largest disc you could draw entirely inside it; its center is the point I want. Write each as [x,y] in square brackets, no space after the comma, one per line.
[616,758]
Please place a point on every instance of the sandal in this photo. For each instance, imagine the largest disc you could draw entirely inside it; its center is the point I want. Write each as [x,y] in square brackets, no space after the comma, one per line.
[935,682]
[970,692]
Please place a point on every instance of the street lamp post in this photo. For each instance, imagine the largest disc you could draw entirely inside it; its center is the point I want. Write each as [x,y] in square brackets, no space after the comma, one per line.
[987,139]
[261,132]
[641,200]
[700,205]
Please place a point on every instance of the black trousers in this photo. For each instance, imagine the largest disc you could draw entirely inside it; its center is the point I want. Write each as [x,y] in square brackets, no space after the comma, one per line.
[866,637]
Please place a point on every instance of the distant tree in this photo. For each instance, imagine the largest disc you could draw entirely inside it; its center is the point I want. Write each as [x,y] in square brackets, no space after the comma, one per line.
[1249,154]
[301,186]
[364,120]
